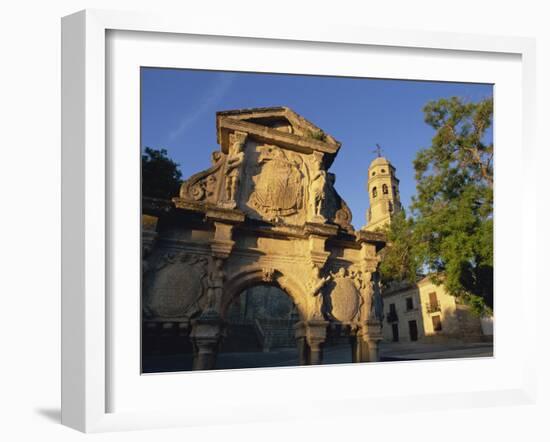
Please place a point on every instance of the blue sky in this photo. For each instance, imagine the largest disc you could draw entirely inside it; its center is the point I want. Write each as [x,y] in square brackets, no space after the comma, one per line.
[178,109]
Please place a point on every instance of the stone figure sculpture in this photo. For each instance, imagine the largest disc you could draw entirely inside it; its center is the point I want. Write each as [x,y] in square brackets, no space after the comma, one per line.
[314,285]
[317,188]
[362,281]
[216,279]
[232,168]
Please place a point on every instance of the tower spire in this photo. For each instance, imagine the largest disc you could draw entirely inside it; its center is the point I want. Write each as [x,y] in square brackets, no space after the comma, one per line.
[383,188]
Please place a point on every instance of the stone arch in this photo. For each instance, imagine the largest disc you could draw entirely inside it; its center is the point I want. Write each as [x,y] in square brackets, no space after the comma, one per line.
[253,218]
[254,276]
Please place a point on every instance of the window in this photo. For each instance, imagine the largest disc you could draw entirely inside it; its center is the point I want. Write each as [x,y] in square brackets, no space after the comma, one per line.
[409,302]
[385,189]
[374,192]
[392,314]
[394,190]
[383,170]
[436,321]
[433,300]
[390,206]
[373,173]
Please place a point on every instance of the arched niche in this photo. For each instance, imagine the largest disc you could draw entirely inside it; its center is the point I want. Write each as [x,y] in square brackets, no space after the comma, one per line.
[255,276]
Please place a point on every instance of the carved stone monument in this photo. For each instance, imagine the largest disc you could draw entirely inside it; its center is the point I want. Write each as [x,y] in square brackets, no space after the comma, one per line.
[265,212]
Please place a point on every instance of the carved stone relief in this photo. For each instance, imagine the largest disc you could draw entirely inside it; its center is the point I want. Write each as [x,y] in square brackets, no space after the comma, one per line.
[233,166]
[268,274]
[363,281]
[204,186]
[178,286]
[216,278]
[336,208]
[317,189]
[344,297]
[314,294]
[277,185]
[261,173]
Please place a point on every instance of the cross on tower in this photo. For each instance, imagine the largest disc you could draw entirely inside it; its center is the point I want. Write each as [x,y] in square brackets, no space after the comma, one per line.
[378,150]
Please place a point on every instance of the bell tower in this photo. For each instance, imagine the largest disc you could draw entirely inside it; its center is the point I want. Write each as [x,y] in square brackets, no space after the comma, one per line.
[383,188]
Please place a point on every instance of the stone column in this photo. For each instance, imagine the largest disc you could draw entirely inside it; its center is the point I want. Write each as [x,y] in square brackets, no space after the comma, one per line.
[355,349]
[206,335]
[315,352]
[311,336]
[374,355]
[368,338]
[303,353]
[359,348]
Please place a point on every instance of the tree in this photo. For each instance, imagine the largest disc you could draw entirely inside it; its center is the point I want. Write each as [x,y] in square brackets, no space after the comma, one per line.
[160,176]
[453,209]
[450,232]
[400,259]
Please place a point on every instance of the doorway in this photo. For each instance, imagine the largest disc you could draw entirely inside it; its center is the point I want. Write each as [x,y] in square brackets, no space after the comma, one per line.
[395,332]
[413,330]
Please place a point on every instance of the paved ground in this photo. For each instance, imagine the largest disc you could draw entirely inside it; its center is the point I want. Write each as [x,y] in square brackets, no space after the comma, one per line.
[390,351]
[333,355]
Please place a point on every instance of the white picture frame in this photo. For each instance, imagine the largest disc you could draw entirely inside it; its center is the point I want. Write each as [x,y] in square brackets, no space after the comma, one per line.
[87,355]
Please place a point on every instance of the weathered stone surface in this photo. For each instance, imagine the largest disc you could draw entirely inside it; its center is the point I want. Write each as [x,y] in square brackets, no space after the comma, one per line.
[344,297]
[178,288]
[265,213]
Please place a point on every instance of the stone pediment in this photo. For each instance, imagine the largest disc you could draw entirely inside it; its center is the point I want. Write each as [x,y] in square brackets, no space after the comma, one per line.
[276,125]
[272,166]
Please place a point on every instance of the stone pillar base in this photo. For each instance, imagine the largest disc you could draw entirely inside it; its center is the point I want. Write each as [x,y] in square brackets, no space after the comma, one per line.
[366,342]
[206,335]
[310,337]
[359,348]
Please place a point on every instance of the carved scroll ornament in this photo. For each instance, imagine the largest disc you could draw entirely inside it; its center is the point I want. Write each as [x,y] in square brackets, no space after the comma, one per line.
[204,186]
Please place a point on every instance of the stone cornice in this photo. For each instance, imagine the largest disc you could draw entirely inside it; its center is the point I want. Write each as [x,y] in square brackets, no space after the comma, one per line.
[379,239]
[273,136]
[155,206]
[327,230]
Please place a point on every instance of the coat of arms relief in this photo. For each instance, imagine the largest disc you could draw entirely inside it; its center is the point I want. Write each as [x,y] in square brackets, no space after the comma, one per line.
[268,181]
[277,184]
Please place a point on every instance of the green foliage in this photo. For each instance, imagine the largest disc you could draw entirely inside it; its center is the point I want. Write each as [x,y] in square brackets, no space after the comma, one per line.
[450,232]
[400,257]
[160,176]
[477,304]
[453,209]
